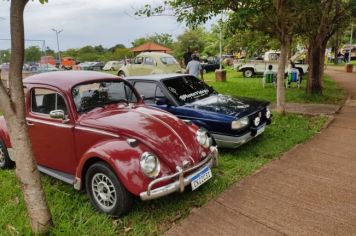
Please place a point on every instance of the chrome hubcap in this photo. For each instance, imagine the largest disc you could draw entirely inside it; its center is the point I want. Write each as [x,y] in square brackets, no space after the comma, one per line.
[2,156]
[104,191]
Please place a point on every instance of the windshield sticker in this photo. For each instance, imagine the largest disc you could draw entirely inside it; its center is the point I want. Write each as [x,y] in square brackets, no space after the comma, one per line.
[173,90]
[199,93]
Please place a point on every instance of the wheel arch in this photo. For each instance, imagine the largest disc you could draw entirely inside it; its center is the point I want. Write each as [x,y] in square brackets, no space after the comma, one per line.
[119,156]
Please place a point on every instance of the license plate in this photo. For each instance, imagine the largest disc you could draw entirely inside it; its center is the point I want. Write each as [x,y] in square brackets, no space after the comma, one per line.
[260,130]
[201,177]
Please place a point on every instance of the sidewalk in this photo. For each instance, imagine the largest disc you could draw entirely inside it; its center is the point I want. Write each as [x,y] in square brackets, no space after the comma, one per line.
[310,190]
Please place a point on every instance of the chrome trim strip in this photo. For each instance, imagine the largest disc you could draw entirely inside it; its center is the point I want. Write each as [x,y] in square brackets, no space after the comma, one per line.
[67,178]
[49,123]
[179,185]
[93,130]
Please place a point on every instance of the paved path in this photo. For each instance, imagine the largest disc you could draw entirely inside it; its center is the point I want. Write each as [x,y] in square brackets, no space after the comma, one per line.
[310,190]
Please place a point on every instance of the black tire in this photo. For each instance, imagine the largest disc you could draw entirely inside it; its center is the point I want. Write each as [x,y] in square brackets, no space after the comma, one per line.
[248,73]
[5,161]
[121,73]
[116,202]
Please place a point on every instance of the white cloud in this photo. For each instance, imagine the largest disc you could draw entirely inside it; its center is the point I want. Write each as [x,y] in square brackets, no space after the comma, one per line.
[87,22]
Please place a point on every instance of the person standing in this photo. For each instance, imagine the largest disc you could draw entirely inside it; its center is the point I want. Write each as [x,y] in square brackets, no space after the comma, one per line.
[187,57]
[194,67]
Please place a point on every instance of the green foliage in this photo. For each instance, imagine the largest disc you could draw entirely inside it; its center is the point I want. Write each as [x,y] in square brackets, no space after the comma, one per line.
[193,39]
[162,39]
[32,54]
[5,56]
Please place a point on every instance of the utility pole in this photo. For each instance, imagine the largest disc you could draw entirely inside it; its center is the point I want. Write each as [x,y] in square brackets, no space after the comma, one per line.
[352,29]
[59,54]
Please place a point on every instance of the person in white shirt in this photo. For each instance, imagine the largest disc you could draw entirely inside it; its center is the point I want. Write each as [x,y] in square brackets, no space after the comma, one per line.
[194,67]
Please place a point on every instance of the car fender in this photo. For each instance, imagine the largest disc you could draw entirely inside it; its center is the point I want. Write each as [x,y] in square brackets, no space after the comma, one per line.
[125,70]
[4,134]
[124,160]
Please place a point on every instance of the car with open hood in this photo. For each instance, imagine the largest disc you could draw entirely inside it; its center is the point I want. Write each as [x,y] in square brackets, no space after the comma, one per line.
[232,121]
[93,131]
[147,63]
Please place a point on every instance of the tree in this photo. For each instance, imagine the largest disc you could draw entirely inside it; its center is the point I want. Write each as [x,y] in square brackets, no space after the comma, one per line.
[32,54]
[278,18]
[191,38]
[322,20]
[162,39]
[12,104]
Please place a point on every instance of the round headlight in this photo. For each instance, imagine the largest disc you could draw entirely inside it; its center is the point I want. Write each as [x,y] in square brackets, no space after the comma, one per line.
[203,138]
[257,121]
[150,165]
[268,113]
[240,123]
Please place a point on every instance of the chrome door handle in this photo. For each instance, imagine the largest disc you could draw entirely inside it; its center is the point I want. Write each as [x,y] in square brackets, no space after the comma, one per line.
[29,123]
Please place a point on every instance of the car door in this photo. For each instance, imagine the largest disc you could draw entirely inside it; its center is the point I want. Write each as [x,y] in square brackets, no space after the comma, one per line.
[137,68]
[149,65]
[52,139]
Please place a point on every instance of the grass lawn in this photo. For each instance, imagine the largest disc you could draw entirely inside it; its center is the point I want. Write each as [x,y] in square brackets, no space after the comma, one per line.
[236,85]
[73,214]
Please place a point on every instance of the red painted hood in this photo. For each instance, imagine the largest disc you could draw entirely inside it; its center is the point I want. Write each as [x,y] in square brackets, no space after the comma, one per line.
[171,139]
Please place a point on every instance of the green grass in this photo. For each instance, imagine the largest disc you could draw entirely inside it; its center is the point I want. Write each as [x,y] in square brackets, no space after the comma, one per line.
[236,85]
[73,214]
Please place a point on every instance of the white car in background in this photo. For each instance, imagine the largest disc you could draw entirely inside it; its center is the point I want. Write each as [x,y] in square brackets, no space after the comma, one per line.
[112,65]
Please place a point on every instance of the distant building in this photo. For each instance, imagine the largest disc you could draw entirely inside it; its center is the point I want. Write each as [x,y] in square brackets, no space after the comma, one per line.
[150,47]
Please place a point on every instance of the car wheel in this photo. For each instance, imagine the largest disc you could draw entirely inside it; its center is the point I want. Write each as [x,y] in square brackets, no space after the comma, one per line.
[248,73]
[105,190]
[121,73]
[5,161]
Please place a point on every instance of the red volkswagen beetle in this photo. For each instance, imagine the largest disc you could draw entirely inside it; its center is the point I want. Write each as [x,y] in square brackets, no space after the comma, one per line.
[92,130]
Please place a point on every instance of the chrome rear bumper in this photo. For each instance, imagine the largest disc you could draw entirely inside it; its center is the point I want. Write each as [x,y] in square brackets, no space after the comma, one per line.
[181,182]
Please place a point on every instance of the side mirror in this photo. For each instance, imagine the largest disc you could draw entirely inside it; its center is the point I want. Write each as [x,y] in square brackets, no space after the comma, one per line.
[57,114]
[161,101]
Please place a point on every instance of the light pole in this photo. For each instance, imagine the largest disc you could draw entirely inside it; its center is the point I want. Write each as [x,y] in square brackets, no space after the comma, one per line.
[59,54]
[352,28]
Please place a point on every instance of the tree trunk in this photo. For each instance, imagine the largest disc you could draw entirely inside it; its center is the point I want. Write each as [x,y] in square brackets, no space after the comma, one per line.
[281,75]
[13,107]
[316,66]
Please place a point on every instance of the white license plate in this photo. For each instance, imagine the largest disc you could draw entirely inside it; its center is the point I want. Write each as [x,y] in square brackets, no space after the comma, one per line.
[260,130]
[201,177]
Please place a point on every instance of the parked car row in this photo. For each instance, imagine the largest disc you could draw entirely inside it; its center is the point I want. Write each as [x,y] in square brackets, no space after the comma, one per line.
[147,135]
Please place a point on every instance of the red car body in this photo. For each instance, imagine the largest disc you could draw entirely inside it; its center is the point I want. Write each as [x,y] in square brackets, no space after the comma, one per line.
[116,135]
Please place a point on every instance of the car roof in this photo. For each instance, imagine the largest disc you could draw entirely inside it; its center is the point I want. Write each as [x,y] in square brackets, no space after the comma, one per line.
[160,54]
[65,80]
[155,77]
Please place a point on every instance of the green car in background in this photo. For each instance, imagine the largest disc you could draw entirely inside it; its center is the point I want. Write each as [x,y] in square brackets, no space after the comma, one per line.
[147,63]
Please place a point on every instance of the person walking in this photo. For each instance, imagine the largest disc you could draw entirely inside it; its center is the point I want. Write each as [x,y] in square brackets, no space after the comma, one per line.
[194,67]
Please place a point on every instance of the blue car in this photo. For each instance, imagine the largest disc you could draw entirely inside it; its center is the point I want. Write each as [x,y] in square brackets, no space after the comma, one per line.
[231,121]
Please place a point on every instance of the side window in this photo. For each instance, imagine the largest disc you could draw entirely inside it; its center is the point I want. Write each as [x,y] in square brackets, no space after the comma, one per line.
[148,90]
[45,100]
[159,92]
[138,60]
[149,61]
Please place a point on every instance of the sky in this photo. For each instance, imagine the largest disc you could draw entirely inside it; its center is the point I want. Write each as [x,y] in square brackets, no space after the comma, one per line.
[86,22]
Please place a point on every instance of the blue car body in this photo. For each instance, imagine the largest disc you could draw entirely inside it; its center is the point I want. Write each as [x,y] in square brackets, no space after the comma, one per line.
[191,99]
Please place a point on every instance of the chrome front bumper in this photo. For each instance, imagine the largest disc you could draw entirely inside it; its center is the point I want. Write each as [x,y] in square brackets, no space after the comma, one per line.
[181,182]
[227,141]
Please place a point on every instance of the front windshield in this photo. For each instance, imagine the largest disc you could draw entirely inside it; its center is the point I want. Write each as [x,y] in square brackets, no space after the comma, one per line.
[98,94]
[188,89]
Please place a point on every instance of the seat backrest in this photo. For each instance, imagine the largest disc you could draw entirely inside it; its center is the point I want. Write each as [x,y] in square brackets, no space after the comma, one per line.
[269,78]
